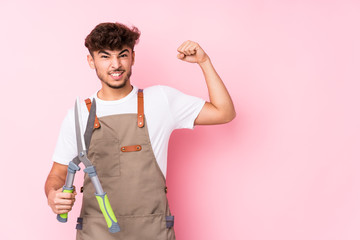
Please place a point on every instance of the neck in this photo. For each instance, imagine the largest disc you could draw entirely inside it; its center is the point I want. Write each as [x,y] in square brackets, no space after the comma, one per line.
[111,94]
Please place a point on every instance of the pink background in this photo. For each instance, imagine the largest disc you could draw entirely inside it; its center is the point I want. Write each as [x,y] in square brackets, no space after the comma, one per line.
[286,168]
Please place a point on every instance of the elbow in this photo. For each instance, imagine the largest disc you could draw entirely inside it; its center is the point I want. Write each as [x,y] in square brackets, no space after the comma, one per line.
[229,116]
[232,117]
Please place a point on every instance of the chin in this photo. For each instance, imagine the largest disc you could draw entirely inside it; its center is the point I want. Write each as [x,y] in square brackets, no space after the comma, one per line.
[116,86]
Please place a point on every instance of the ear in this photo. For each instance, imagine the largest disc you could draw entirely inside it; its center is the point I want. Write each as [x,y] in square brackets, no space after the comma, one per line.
[133,57]
[90,60]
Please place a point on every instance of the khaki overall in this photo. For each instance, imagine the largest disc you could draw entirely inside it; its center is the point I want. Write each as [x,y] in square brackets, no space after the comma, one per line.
[121,151]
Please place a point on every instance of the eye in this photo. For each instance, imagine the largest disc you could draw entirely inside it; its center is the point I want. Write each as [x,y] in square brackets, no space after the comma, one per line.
[123,55]
[104,56]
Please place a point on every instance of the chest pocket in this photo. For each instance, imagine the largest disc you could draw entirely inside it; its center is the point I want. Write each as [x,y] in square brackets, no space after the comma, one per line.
[106,157]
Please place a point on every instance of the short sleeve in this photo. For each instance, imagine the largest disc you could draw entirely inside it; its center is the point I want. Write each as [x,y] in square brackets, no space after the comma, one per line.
[65,149]
[183,108]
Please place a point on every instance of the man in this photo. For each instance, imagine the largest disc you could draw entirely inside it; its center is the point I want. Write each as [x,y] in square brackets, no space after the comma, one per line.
[129,154]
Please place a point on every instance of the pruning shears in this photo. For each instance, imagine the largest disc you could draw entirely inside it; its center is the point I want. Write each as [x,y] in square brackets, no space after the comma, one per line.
[83,142]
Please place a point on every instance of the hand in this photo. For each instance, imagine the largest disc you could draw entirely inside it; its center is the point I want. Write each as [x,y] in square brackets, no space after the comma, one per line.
[61,202]
[191,52]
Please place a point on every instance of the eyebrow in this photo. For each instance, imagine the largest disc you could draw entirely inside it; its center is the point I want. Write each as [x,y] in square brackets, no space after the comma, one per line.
[105,52]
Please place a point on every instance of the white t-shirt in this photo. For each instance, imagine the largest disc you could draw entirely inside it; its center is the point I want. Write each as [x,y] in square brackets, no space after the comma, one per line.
[165,109]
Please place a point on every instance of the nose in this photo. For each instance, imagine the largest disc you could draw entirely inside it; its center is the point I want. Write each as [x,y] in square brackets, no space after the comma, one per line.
[115,62]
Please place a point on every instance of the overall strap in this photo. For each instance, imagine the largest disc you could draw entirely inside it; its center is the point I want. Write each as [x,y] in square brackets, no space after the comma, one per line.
[88,105]
[140,108]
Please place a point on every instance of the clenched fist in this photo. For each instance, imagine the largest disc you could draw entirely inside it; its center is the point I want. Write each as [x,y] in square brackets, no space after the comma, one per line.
[191,52]
[61,202]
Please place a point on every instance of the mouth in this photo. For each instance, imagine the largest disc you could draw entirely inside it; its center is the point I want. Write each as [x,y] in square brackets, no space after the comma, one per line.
[116,74]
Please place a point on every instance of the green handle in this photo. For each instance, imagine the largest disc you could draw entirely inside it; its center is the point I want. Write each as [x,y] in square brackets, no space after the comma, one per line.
[108,213]
[64,216]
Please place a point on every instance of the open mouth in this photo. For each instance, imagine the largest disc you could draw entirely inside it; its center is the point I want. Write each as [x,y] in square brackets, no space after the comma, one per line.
[117,75]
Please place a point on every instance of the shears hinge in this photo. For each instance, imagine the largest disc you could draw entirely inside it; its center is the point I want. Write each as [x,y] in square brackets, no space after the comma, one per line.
[72,168]
[91,171]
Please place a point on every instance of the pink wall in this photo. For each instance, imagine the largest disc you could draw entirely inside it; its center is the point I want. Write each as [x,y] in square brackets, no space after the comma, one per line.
[286,168]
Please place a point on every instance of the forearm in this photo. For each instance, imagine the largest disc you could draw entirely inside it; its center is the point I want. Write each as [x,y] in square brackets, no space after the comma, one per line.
[53,182]
[218,94]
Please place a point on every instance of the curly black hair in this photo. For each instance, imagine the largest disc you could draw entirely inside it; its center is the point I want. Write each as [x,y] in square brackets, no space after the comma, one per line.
[112,36]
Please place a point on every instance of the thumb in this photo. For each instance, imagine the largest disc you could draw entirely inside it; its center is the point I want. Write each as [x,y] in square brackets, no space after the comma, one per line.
[180,55]
[74,192]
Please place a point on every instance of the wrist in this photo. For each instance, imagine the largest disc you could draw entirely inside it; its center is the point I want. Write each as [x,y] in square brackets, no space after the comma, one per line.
[50,192]
[205,62]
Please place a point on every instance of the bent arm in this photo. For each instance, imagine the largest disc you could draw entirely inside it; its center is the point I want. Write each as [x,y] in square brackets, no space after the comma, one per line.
[220,109]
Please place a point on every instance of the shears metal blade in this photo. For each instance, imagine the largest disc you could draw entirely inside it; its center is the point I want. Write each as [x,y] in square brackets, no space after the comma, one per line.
[80,140]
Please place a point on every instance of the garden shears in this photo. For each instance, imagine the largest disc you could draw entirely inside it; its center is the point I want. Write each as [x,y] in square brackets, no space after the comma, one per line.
[83,142]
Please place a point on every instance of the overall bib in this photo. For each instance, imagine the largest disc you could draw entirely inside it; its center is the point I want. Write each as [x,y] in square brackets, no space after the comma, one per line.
[121,151]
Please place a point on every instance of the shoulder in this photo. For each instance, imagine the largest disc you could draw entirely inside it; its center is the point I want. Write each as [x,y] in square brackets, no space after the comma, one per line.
[157,93]
[162,91]
[158,89]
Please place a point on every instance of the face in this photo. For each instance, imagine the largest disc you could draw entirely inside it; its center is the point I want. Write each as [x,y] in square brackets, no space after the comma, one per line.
[113,68]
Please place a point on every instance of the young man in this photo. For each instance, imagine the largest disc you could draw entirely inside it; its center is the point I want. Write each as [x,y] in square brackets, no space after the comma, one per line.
[134,178]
